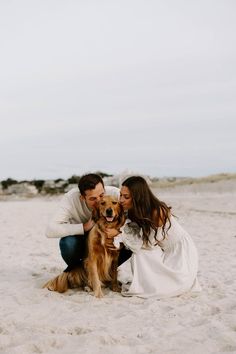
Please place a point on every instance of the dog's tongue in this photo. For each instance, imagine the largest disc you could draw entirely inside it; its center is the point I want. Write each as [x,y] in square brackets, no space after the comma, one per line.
[109,219]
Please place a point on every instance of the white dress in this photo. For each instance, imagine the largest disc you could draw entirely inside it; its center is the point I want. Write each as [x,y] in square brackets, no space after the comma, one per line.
[164,270]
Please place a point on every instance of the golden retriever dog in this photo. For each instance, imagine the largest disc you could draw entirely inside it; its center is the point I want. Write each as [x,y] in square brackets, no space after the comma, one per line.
[100,266]
[102,261]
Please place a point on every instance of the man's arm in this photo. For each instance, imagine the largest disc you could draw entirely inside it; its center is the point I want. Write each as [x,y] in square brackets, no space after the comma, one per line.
[58,230]
[61,224]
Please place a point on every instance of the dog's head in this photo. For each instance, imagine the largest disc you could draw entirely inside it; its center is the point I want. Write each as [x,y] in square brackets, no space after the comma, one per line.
[109,210]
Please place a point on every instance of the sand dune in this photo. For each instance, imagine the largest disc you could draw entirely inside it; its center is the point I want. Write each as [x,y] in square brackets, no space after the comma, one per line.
[34,320]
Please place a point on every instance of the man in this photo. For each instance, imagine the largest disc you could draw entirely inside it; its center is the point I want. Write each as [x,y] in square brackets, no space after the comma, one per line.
[73,221]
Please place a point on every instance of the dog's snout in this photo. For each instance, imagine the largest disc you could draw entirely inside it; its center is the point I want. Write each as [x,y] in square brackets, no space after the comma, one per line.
[109,212]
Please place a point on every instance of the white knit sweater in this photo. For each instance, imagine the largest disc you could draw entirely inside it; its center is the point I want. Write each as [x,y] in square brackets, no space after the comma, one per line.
[72,213]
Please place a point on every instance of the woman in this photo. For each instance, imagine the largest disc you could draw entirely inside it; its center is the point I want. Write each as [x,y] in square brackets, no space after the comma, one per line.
[164,260]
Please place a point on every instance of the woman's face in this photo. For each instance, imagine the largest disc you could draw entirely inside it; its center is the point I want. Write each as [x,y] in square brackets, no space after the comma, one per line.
[125,198]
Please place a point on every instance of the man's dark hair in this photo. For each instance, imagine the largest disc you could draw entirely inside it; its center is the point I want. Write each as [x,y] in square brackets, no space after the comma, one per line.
[89,181]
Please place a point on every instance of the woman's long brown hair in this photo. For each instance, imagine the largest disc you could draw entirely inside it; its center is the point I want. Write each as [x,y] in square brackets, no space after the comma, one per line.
[147,211]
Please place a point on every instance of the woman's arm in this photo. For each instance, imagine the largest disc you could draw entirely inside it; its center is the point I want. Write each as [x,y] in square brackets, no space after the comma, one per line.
[131,236]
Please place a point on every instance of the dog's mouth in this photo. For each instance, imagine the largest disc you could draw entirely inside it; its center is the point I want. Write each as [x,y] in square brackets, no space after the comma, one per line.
[109,218]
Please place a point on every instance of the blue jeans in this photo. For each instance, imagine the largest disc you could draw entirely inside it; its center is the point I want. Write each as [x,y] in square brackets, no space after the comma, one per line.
[74,251]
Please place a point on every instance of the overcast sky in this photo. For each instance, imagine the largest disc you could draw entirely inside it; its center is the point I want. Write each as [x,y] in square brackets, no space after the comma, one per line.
[87,85]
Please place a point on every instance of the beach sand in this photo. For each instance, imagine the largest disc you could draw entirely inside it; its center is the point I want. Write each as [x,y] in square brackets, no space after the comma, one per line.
[35,320]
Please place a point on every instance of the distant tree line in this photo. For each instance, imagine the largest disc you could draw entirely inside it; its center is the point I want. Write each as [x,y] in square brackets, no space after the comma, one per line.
[48,186]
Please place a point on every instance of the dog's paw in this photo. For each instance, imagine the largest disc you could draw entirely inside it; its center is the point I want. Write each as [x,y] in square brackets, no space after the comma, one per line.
[98,293]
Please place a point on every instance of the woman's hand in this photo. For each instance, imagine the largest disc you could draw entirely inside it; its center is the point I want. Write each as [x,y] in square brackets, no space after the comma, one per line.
[111,233]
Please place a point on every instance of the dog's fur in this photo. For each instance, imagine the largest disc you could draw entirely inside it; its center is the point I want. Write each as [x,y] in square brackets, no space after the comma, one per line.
[101,263]
[100,266]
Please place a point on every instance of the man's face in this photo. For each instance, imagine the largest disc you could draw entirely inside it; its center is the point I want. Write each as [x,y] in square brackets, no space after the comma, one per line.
[93,196]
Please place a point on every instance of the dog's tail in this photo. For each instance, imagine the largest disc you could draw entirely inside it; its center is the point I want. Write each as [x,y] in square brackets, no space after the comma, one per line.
[77,277]
[60,283]
[67,280]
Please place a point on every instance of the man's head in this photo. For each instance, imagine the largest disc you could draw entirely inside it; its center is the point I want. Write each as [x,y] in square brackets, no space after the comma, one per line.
[91,188]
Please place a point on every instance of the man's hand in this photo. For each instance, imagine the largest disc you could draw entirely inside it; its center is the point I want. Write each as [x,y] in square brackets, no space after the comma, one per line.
[88,225]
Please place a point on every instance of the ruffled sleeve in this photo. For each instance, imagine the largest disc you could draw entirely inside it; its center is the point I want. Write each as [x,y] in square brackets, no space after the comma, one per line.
[131,236]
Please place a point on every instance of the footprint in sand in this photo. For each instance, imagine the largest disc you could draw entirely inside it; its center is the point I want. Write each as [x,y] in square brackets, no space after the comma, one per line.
[229,348]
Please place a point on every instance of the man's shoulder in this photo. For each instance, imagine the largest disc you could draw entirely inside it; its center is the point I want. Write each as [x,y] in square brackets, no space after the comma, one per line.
[72,193]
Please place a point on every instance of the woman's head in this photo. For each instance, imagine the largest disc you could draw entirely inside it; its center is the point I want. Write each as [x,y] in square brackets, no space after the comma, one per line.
[143,207]
[134,193]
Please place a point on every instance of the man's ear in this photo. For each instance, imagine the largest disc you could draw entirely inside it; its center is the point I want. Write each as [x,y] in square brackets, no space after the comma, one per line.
[81,197]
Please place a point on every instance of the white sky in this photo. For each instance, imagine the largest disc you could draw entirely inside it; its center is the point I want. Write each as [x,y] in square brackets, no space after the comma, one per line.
[111,85]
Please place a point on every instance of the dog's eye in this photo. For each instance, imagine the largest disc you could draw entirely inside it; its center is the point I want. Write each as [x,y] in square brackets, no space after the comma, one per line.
[114,203]
[103,203]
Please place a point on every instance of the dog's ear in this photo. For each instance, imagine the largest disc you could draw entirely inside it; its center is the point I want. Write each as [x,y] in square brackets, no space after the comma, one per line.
[95,214]
[121,217]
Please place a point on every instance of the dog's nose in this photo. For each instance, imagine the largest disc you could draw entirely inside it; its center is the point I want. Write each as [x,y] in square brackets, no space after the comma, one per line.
[109,212]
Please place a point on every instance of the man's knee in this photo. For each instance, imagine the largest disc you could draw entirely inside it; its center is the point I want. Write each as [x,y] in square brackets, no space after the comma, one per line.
[73,246]
[68,243]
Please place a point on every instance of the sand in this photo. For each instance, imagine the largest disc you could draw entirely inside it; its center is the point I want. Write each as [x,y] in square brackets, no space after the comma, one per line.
[35,320]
